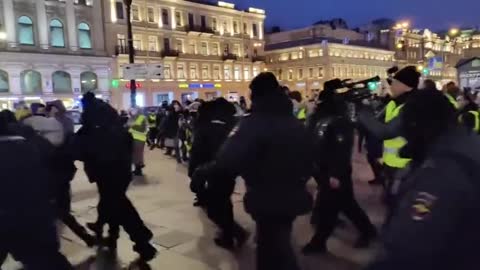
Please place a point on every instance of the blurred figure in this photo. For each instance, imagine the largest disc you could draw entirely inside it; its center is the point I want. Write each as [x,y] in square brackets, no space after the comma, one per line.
[124,118]
[28,229]
[170,129]
[161,117]
[106,149]
[429,85]
[451,91]
[152,129]
[138,129]
[333,136]
[49,128]
[299,109]
[435,226]
[216,120]
[243,104]
[275,176]
[468,112]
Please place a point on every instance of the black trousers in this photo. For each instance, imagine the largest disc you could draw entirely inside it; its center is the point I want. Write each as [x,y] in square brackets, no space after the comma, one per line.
[35,246]
[152,135]
[274,247]
[330,202]
[115,209]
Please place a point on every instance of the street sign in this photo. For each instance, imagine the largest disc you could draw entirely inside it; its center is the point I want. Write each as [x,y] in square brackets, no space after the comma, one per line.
[135,71]
[142,71]
[155,71]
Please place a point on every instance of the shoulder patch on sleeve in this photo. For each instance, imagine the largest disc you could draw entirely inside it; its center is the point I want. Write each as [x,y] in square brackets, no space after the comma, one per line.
[422,206]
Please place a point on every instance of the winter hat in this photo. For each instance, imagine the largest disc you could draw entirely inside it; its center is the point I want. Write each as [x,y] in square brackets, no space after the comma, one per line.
[264,84]
[408,76]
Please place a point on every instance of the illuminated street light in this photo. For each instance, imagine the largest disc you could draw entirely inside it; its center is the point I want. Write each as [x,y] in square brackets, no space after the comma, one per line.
[420,68]
[3,36]
[405,24]
[399,45]
[454,31]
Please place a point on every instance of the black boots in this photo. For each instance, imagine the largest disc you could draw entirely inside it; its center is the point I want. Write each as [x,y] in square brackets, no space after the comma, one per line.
[138,170]
[146,251]
[238,240]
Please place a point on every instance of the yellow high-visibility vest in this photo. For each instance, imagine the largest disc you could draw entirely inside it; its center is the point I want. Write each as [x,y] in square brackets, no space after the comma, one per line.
[391,147]
[452,100]
[476,116]
[302,114]
[138,135]
[152,121]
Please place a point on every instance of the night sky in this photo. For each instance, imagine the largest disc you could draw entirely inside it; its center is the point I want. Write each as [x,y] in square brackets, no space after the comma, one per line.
[433,14]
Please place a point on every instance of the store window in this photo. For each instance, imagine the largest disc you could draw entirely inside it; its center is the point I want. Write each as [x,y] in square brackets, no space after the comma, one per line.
[31,82]
[25,31]
[88,81]
[57,38]
[61,82]
[162,98]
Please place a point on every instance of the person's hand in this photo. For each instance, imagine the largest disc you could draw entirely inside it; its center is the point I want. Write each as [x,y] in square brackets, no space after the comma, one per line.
[334,183]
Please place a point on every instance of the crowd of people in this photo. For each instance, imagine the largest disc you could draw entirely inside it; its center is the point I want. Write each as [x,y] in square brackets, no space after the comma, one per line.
[422,145]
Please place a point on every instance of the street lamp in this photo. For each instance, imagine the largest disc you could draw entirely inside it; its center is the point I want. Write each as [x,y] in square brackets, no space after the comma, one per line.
[131,55]
[454,31]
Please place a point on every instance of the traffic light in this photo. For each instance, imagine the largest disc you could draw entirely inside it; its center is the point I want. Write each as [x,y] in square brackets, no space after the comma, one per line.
[425,71]
[115,83]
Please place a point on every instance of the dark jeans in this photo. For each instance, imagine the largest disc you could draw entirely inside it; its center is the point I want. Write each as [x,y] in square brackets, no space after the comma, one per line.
[117,210]
[152,136]
[35,247]
[274,247]
[330,202]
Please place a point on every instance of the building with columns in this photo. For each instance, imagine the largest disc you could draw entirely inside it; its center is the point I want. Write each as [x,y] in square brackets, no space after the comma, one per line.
[207,49]
[303,59]
[52,49]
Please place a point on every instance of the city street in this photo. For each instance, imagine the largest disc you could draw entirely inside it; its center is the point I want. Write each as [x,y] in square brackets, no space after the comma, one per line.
[183,234]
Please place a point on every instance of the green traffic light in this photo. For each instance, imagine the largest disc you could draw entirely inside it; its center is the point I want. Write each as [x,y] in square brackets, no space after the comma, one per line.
[426,71]
[115,83]
[372,86]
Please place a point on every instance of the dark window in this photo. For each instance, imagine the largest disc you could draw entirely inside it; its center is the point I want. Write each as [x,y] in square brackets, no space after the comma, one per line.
[203,21]
[255,30]
[165,17]
[119,9]
[166,44]
[191,21]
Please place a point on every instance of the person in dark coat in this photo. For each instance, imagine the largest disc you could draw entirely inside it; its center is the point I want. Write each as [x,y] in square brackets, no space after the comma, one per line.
[105,147]
[270,149]
[27,228]
[435,225]
[215,121]
[333,136]
[170,127]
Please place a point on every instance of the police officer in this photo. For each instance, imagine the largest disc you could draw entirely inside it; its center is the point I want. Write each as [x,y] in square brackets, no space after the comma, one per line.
[333,136]
[403,85]
[152,129]
[452,92]
[270,150]
[436,223]
[138,129]
[215,121]
[27,227]
[105,147]
[469,115]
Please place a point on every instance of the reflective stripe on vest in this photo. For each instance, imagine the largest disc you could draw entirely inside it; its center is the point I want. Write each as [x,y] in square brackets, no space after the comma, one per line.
[392,147]
[152,121]
[452,100]
[476,116]
[302,114]
[138,135]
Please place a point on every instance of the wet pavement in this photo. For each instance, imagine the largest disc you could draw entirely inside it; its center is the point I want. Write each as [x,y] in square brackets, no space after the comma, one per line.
[183,234]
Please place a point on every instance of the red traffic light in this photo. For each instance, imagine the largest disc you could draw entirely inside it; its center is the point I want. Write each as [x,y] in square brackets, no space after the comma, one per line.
[139,85]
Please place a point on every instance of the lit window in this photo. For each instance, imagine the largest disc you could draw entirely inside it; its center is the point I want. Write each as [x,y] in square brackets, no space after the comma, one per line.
[313,53]
[290,75]
[57,39]
[227,71]
[167,74]
[236,29]
[205,72]
[180,71]
[215,48]
[236,49]
[204,48]
[180,45]
[84,37]
[300,74]
[152,43]
[284,57]
[193,72]
[300,55]
[137,42]
[255,72]
[178,18]
[320,72]
[151,14]
[61,82]
[192,47]
[4,86]
[31,82]
[294,55]
[216,73]
[236,73]
[135,13]
[25,31]
[310,73]
[88,82]
[246,73]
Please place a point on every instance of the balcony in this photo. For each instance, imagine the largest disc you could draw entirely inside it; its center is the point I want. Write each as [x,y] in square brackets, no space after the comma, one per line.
[229,57]
[122,50]
[170,53]
[259,58]
[199,30]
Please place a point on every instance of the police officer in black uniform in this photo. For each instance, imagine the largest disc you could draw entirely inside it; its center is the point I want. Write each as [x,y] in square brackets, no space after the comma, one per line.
[270,150]
[435,225]
[333,136]
[105,147]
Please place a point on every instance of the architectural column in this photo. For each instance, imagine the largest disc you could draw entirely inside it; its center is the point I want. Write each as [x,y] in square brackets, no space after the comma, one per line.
[98,30]
[103,79]
[42,26]
[47,83]
[172,16]
[71,25]
[75,72]
[14,83]
[260,30]
[10,21]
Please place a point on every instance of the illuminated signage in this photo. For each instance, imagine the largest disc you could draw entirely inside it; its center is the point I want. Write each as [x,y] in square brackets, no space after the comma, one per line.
[139,85]
[256,10]
[225,4]
[199,85]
